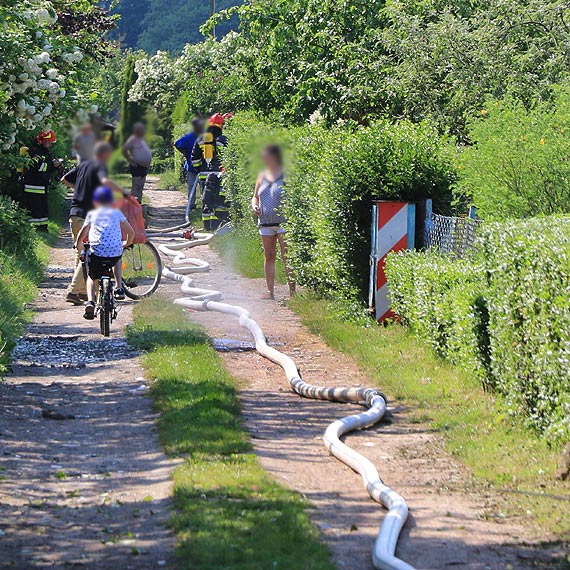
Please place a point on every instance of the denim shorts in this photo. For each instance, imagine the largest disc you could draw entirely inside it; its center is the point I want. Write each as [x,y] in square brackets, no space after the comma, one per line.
[271,230]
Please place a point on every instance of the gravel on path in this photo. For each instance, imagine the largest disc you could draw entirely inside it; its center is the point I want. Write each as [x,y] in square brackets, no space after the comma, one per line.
[83,480]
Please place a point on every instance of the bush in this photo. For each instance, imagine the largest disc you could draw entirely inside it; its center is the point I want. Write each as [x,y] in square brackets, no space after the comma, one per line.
[504,313]
[529,318]
[332,177]
[16,234]
[443,302]
[20,270]
[118,163]
[518,165]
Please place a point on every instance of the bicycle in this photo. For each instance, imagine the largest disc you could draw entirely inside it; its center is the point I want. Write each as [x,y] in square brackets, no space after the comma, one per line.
[142,270]
[105,305]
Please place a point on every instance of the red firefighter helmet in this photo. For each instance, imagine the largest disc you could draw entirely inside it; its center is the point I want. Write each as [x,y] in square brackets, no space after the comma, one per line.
[217,120]
[228,116]
[46,136]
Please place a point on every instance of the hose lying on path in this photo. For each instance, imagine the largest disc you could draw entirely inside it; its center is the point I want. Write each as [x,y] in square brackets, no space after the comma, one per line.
[197,299]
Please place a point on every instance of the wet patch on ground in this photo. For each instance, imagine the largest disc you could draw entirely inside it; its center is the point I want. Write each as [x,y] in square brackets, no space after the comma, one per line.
[69,351]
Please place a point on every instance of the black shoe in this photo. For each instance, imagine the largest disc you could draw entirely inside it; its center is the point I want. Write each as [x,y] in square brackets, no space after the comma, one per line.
[89,313]
[120,294]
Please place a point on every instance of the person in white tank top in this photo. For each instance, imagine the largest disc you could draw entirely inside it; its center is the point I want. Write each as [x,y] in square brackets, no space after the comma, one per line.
[267,204]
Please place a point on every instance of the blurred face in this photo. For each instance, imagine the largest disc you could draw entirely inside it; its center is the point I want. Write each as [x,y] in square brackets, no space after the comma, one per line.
[47,144]
[105,157]
[86,129]
[139,130]
[271,161]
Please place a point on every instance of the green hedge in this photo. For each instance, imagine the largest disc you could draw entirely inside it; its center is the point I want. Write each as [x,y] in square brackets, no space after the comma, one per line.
[504,313]
[332,176]
[529,318]
[443,301]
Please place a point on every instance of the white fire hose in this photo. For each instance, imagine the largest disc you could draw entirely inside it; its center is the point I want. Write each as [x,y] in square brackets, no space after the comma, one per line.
[383,556]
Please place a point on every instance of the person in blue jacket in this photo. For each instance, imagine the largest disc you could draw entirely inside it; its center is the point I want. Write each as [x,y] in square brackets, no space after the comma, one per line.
[185,145]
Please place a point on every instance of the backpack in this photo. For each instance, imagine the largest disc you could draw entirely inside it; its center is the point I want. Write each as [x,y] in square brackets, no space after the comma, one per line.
[133,211]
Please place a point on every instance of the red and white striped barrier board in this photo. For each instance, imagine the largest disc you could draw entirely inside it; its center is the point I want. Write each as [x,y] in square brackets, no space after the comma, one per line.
[393,229]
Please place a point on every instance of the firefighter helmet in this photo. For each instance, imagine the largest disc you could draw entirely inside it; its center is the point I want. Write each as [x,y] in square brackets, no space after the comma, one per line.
[217,120]
[47,136]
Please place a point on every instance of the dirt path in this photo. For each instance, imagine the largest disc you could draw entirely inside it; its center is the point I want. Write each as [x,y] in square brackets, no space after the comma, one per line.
[451,525]
[90,491]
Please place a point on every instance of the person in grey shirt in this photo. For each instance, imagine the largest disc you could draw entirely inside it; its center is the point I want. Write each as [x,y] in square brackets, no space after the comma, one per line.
[137,152]
[84,143]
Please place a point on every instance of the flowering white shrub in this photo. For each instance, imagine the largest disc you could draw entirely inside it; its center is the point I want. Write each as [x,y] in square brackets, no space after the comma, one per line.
[158,80]
[38,61]
[209,73]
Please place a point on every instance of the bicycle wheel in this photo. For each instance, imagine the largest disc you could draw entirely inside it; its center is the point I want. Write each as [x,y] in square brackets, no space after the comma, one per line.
[142,270]
[105,307]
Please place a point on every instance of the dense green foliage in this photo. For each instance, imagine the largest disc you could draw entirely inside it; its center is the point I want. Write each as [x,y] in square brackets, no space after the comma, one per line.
[131,112]
[505,312]
[518,165]
[364,59]
[228,512]
[49,49]
[446,58]
[436,59]
[204,79]
[332,176]
[22,258]
[168,25]
[16,234]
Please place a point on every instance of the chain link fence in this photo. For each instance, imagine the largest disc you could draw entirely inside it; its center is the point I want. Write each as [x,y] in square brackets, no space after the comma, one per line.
[452,235]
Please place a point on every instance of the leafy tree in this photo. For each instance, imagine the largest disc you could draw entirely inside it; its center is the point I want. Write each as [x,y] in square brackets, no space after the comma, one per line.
[450,57]
[518,165]
[304,56]
[131,111]
[206,77]
[104,84]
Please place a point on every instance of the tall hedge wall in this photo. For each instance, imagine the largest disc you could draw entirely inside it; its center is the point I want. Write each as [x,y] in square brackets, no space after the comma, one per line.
[505,312]
[332,175]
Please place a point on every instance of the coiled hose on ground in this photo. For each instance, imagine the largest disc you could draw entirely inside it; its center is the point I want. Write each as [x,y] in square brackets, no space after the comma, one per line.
[197,299]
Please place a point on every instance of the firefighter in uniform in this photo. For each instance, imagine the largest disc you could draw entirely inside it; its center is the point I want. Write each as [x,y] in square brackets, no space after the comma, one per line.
[207,160]
[36,177]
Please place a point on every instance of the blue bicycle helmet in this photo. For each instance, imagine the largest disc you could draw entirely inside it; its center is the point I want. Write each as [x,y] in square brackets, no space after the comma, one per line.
[103,195]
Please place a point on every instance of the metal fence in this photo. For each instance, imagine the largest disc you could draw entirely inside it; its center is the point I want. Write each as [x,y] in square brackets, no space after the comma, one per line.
[451,235]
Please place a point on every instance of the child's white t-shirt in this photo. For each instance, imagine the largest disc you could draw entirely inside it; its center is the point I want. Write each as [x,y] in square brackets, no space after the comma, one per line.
[105,235]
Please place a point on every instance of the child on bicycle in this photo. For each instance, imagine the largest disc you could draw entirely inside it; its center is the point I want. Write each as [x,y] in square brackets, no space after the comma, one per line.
[104,227]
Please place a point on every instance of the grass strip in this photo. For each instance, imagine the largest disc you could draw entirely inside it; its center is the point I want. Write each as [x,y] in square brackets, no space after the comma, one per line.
[229,514]
[20,275]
